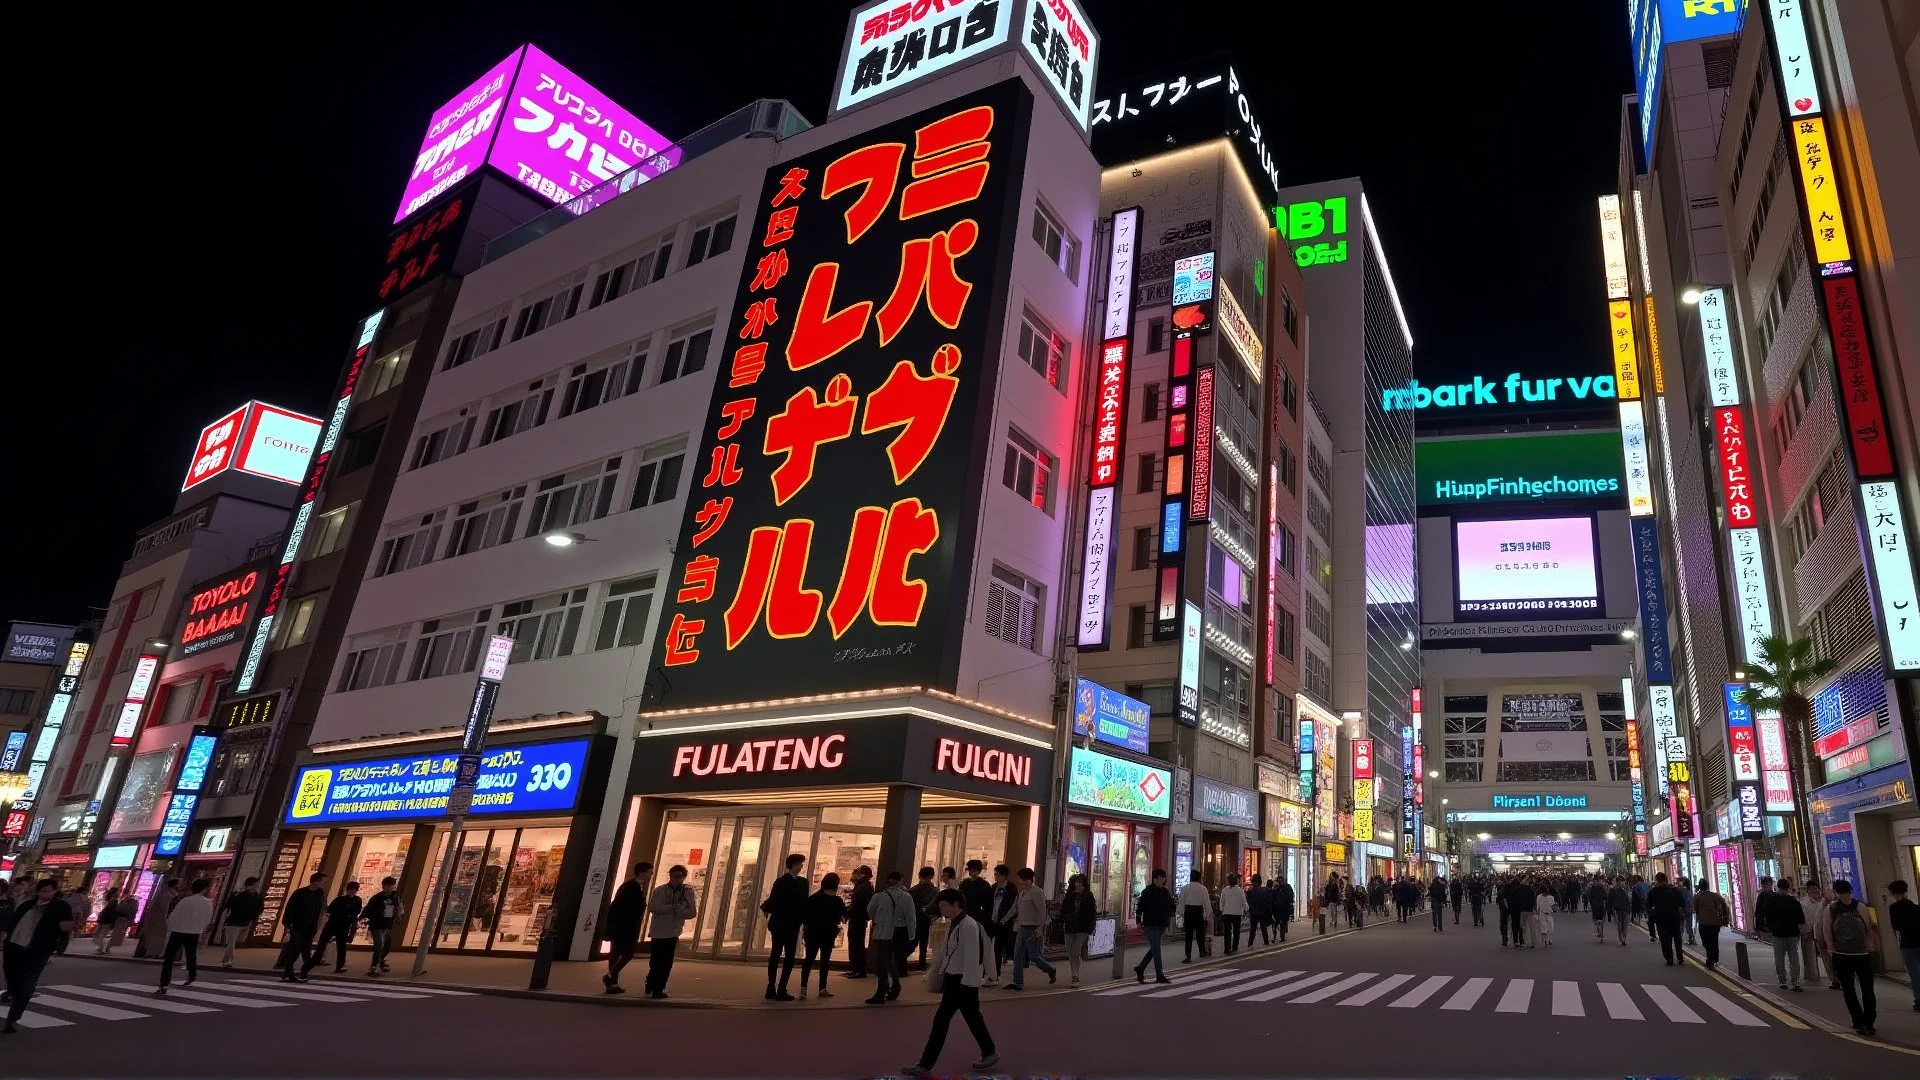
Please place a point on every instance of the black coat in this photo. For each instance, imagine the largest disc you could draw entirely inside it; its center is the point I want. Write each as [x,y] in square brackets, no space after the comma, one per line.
[1666,905]
[1077,912]
[786,903]
[304,908]
[1156,906]
[979,894]
[1283,902]
[824,913]
[47,933]
[857,907]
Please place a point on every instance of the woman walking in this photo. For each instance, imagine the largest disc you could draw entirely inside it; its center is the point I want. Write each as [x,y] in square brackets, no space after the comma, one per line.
[959,970]
[1077,916]
[820,927]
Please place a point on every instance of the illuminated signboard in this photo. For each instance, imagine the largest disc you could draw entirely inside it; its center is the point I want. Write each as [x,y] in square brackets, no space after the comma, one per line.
[1408,825]
[1200,503]
[245,712]
[1654,24]
[541,125]
[1233,325]
[217,611]
[1666,731]
[1892,561]
[1539,801]
[1653,349]
[1613,247]
[1525,566]
[1304,223]
[1110,414]
[1110,391]
[1799,87]
[1103,782]
[1650,583]
[535,778]
[1285,821]
[1096,565]
[423,247]
[892,44]
[1518,468]
[16,748]
[186,793]
[1637,784]
[1171,566]
[1856,381]
[1633,443]
[1743,751]
[1224,804]
[1776,775]
[1064,49]
[1363,782]
[263,440]
[1750,590]
[1825,220]
[1193,294]
[136,700]
[830,533]
[1736,480]
[1723,380]
[1186,106]
[1514,389]
[1110,716]
[1626,362]
[1123,253]
[1189,708]
[36,643]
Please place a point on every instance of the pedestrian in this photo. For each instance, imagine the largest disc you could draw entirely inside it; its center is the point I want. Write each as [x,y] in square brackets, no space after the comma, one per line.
[343,920]
[238,912]
[1853,937]
[959,970]
[1520,912]
[923,893]
[1712,912]
[1544,915]
[1329,898]
[1233,912]
[669,910]
[1596,900]
[82,906]
[1156,906]
[1780,916]
[1194,902]
[1476,900]
[1686,913]
[1814,945]
[820,929]
[1903,917]
[185,923]
[1620,908]
[107,929]
[786,910]
[299,919]
[1457,890]
[1666,909]
[891,914]
[1437,896]
[979,894]
[1004,894]
[32,933]
[1078,913]
[383,911]
[1030,922]
[624,915]
[857,922]
[153,918]
[1283,901]
[1260,912]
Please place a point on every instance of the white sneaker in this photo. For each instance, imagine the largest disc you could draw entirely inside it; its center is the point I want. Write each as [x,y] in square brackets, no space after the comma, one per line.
[803,993]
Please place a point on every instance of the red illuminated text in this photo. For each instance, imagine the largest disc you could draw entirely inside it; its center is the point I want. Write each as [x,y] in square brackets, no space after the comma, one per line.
[761,756]
[982,763]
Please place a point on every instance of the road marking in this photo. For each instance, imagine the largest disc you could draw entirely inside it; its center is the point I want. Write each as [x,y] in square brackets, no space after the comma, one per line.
[1288,988]
[1778,1013]
[1377,991]
[30,1019]
[1141,988]
[1518,996]
[144,1001]
[1566,999]
[1465,998]
[1728,1011]
[1420,993]
[1215,995]
[197,994]
[84,1008]
[313,991]
[1670,1003]
[1189,987]
[1330,990]
[1619,1003]
[412,989]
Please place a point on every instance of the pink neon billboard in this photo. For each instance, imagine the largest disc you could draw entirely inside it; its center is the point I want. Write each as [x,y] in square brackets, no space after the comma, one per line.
[538,123]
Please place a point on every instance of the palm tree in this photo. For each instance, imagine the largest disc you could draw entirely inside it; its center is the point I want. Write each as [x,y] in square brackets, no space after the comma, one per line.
[1780,680]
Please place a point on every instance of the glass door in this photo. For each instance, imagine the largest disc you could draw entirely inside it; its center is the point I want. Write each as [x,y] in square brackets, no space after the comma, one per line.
[749,852]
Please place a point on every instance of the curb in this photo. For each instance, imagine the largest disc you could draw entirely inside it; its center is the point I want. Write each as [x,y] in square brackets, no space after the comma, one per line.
[1812,1019]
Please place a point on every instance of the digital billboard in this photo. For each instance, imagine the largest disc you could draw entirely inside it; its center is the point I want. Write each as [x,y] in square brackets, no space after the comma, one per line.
[1652,25]
[1525,566]
[535,778]
[1519,468]
[829,534]
[1110,716]
[219,609]
[256,438]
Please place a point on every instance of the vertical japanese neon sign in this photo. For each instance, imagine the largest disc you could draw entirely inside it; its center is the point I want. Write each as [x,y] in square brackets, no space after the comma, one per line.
[1110,396]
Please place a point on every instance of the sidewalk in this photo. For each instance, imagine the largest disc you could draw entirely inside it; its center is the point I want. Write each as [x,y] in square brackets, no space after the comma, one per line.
[1895,1020]
[708,984]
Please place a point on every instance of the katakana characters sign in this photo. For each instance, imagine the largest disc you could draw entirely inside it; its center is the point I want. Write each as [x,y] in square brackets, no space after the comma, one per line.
[1857,386]
[1201,100]
[829,537]
[1062,45]
[1736,476]
[895,43]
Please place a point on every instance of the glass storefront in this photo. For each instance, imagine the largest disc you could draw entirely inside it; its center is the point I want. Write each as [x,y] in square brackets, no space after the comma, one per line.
[503,883]
[1116,856]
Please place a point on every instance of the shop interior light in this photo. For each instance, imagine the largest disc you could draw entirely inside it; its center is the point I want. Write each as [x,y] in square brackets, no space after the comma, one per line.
[1629,633]
[1690,295]
[157,643]
[1566,836]
[1433,775]
[1485,836]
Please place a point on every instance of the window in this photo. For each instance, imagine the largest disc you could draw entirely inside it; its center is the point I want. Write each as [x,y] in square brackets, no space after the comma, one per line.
[359,448]
[572,498]
[296,623]
[176,703]
[1289,468]
[449,646]
[1317,674]
[1054,239]
[412,547]
[1289,319]
[1289,394]
[545,627]
[710,240]
[1289,549]
[1013,607]
[1319,619]
[1157,333]
[1145,543]
[475,343]
[1139,629]
[623,615]
[372,660]
[609,377]
[1465,749]
[1465,772]
[1285,633]
[1285,727]
[15,701]
[115,612]
[1028,471]
[149,599]
[328,532]
[1319,515]
[1545,772]
[658,478]
[1150,402]
[640,268]
[1224,686]
[445,441]
[383,374]
[686,354]
[1318,468]
[1147,473]
[524,413]
[1043,350]
[239,758]
[547,311]
[482,523]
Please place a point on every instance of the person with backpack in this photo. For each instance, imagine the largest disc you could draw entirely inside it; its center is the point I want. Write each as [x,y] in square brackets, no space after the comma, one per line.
[959,970]
[1712,912]
[1853,936]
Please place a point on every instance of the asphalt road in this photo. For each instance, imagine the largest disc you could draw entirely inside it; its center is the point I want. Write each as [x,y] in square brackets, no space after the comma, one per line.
[1395,1001]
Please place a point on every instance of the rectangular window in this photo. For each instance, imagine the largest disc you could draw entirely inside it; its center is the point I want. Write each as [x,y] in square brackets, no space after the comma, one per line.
[623,614]
[1150,402]
[573,498]
[1043,350]
[1144,547]
[1285,633]
[550,310]
[658,478]
[686,354]
[296,623]
[631,272]
[444,441]
[1028,471]
[1157,333]
[1288,546]
[481,524]
[1318,468]
[1288,467]
[375,663]
[609,377]
[15,701]
[238,761]
[1139,629]
[1319,619]
[1145,474]
[1289,394]
[449,646]
[1464,772]
[524,413]
[1059,244]
[710,240]
[475,343]
[1013,607]
[545,627]
[383,374]
[359,448]
[411,548]
[328,532]
[1289,319]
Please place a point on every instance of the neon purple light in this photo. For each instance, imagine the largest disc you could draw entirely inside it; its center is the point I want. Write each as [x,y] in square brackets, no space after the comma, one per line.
[457,140]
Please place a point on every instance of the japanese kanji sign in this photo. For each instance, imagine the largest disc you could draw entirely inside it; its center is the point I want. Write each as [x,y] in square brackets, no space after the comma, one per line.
[1063,47]
[1736,472]
[1650,584]
[1626,359]
[422,249]
[1633,444]
[1858,386]
[1109,432]
[1613,246]
[1808,138]
[894,43]
[1723,382]
[829,537]
[1186,106]
[1752,597]
[1892,561]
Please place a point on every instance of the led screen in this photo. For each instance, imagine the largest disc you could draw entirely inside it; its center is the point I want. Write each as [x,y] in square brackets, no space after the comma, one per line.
[1523,567]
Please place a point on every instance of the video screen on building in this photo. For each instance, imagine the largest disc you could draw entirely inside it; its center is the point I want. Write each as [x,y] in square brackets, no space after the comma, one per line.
[1525,567]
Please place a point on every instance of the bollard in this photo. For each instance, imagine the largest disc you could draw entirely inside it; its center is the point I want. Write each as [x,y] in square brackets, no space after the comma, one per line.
[1119,953]
[543,954]
[1740,962]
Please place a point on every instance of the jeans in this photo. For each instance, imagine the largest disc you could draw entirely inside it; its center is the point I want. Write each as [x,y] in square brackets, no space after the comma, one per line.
[1154,936]
[1026,949]
[1439,916]
[824,952]
[339,935]
[1850,969]
[1786,959]
[1231,931]
[785,941]
[22,968]
[382,938]
[660,964]
[1912,959]
[1668,930]
[956,997]
[178,943]
[1076,952]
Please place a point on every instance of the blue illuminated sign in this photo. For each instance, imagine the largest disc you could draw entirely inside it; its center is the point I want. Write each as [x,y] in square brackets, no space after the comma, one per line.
[1111,717]
[16,745]
[1650,582]
[536,778]
[1170,531]
[173,829]
[193,772]
[1539,801]
[1652,25]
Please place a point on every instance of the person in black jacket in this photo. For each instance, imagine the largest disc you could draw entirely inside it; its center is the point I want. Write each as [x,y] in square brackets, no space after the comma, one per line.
[343,919]
[1077,915]
[820,928]
[786,910]
[1155,909]
[923,905]
[300,919]
[32,932]
[624,916]
[1457,891]
[1666,909]
[241,910]
[857,922]
[1283,901]
[979,894]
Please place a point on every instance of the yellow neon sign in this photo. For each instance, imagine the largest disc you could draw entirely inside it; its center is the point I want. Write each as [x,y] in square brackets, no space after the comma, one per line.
[1653,350]
[1626,365]
[1822,191]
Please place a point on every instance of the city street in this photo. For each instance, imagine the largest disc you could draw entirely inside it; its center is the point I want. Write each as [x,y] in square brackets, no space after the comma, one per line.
[1392,1001]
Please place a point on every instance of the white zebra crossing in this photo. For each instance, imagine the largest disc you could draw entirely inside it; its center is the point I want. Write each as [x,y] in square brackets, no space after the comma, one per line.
[1604,1001]
[65,1005]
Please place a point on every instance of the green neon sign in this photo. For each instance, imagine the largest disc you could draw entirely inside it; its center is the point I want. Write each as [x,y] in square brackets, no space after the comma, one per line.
[1305,221]
[1519,468]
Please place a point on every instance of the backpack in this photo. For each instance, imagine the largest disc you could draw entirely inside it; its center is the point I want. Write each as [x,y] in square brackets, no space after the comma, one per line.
[1849,930]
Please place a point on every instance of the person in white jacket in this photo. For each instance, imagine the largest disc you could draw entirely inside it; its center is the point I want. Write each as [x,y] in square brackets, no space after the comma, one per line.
[189,919]
[959,970]
[1233,911]
[1194,902]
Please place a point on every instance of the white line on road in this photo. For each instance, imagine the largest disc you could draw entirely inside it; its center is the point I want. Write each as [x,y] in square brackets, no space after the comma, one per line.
[1670,1003]
[1291,987]
[30,1019]
[1331,989]
[1141,988]
[197,994]
[413,989]
[1420,993]
[1518,996]
[84,1008]
[145,1001]
[312,991]
[1230,991]
[1465,998]
[1377,991]
[1619,1003]
[1732,1013]
[1189,987]
[1566,999]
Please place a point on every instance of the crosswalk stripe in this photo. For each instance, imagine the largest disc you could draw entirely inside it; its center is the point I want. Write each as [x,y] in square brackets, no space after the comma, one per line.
[1141,988]
[311,991]
[1186,987]
[1619,1003]
[1331,989]
[1377,991]
[84,1008]
[1728,1011]
[413,989]
[1215,995]
[197,994]
[1670,1003]
[1291,987]
[1566,999]
[1420,993]
[1518,995]
[1467,996]
[30,1019]
[156,1003]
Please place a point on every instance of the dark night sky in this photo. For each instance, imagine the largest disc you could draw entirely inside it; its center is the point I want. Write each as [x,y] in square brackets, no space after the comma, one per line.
[221,252]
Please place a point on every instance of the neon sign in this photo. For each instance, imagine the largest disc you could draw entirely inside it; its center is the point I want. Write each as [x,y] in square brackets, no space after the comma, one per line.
[1109,434]
[1308,220]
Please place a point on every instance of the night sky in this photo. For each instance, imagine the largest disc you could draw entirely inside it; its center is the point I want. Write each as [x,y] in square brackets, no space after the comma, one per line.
[221,243]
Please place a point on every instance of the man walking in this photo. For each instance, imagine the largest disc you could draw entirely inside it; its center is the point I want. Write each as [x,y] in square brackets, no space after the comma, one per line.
[238,914]
[1437,896]
[892,916]
[1903,917]
[857,916]
[1233,912]
[31,935]
[185,923]
[1477,899]
[1029,919]
[1781,917]
[1456,889]
[1666,908]
[1711,911]
[1853,937]
[1194,902]
[786,909]
[671,907]
[1283,901]
[1597,904]
[300,918]
[382,912]
[343,920]
[1156,914]
[624,915]
[1620,908]
[1260,912]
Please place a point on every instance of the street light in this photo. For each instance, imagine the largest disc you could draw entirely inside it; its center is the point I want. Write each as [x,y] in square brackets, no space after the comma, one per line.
[1433,774]
[157,643]
[1690,295]
[567,539]
[1629,633]
[1485,836]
